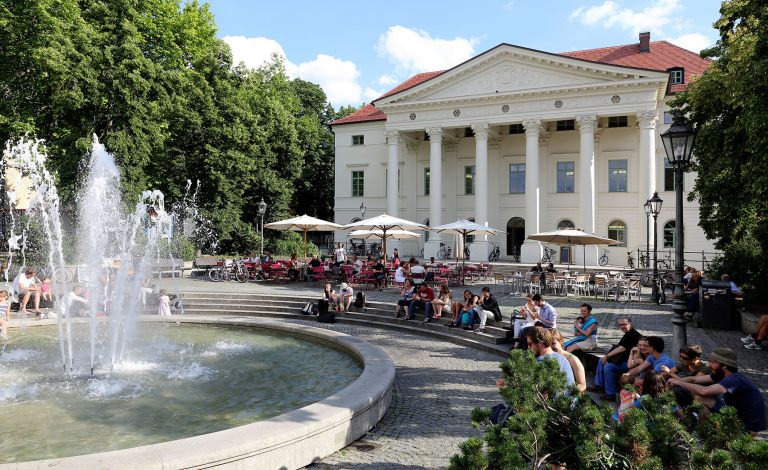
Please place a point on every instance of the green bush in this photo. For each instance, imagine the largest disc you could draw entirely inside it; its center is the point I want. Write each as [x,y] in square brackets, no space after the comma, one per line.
[550,426]
[289,243]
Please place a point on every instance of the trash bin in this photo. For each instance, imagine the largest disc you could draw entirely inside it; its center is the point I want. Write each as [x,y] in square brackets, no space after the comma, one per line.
[717,306]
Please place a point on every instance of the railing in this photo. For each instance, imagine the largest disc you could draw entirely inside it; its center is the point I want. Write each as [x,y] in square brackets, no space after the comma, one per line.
[700,260]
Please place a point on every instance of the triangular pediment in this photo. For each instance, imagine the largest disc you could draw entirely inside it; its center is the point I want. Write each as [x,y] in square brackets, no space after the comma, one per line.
[508,69]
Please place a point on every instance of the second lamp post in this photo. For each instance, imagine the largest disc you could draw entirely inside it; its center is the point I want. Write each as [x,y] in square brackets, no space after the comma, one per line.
[653,206]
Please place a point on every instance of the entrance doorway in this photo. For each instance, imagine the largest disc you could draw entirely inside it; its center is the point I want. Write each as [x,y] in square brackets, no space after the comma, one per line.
[515,236]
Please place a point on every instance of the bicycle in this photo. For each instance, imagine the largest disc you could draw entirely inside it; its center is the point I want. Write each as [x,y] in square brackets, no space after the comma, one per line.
[495,253]
[466,252]
[643,261]
[630,260]
[549,255]
[444,252]
[228,272]
[57,275]
[603,261]
[514,252]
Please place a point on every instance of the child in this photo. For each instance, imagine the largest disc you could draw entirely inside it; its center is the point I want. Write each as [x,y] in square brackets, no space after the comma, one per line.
[164,310]
[5,308]
[627,397]
[45,290]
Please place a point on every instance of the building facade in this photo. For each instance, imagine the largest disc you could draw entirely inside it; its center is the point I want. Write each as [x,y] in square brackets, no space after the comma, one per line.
[524,141]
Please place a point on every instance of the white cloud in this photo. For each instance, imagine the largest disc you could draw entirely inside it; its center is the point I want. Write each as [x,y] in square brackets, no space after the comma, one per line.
[387,80]
[508,6]
[414,51]
[337,77]
[370,94]
[610,14]
[693,42]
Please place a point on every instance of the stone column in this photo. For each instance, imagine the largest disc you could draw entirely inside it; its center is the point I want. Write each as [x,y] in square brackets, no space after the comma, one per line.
[587,125]
[435,189]
[479,249]
[647,123]
[531,251]
[393,144]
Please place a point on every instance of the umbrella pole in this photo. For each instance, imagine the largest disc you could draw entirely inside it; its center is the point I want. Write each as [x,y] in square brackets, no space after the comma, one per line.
[305,244]
[463,258]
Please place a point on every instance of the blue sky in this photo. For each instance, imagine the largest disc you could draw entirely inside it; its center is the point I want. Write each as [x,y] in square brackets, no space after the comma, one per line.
[356,50]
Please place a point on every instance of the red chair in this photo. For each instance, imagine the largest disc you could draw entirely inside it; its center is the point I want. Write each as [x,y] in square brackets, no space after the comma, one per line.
[366,277]
[317,275]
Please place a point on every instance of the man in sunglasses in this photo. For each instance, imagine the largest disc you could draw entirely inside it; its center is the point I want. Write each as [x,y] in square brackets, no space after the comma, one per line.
[614,363]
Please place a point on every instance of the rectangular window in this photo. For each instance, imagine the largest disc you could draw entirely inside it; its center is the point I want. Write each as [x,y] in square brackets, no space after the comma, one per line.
[617,121]
[469,179]
[358,139]
[517,178]
[426,181]
[516,129]
[617,176]
[358,183]
[669,177]
[567,125]
[565,177]
[676,76]
[667,117]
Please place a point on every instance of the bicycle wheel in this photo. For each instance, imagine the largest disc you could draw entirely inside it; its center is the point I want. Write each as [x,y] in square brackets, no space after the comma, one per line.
[603,260]
[62,275]
[214,274]
[241,275]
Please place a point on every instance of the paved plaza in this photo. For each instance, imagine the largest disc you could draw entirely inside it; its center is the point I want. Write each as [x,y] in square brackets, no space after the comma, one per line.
[438,383]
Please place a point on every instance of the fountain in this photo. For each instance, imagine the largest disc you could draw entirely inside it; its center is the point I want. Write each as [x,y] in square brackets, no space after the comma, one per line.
[128,383]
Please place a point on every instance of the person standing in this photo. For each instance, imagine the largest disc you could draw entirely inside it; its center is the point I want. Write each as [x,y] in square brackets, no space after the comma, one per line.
[340,254]
[614,362]
[164,309]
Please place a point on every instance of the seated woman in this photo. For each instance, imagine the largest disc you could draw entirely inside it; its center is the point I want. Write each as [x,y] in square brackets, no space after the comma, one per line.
[579,375]
[401,273]
[330,296]
[456,307]
[442,303]
[469,309]
[530,312]
[585,328]
[406,296]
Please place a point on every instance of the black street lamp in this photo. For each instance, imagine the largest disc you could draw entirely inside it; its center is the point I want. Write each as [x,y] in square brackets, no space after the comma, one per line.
[653,207]
[678,145]
[647,207]
[262,210]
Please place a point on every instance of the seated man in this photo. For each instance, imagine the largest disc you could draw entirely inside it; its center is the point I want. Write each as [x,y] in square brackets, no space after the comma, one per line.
[418,273]
[547,317]
[29,287]
[487,306]
[76,304]
[614,363]
[540,342]
[726,387]
[345,296]
[423,300]
[657,359]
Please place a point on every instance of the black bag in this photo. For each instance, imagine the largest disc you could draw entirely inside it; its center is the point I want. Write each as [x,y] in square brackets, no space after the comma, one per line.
[500,413]
[324,315]
[360,300]
[308,309]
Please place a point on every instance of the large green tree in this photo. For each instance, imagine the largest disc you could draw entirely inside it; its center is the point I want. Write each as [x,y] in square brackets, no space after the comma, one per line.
[154,83]
[728,105]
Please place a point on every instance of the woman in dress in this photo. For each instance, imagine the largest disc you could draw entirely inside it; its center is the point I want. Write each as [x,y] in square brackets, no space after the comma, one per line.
[442,303]
[456,307]
[164,309]
[530,314]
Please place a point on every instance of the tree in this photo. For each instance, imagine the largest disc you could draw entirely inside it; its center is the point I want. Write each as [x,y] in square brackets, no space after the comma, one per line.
[554,424]
[727,105]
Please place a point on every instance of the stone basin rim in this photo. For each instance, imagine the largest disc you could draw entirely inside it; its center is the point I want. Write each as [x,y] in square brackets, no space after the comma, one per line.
[288,441]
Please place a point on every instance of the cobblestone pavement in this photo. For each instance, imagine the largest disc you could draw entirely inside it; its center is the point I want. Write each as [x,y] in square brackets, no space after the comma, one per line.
[437,383]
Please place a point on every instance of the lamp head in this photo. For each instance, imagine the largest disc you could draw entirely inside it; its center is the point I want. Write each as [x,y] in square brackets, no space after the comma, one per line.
[678,142]
[262,207]
[655,204]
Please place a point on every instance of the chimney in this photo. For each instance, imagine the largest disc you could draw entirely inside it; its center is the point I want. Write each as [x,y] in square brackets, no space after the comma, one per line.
[645,42]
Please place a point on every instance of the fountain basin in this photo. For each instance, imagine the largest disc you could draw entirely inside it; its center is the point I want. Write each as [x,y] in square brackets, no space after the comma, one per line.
[290,440]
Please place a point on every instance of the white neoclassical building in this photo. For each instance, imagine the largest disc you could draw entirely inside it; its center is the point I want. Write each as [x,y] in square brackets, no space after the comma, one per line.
[525,141]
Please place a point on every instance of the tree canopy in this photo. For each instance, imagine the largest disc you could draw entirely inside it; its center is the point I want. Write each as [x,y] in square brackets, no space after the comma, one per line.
[154,83]
[727,104]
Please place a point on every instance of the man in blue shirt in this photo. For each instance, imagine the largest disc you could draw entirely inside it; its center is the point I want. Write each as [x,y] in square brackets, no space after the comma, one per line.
[655,359]
[727,387]
[547,313]
[540,342]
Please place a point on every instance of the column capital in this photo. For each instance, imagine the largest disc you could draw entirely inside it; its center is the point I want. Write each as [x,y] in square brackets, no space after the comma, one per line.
[587,123]
[481,130]
[393,137]
[648,119]
[435,133]
[532,127]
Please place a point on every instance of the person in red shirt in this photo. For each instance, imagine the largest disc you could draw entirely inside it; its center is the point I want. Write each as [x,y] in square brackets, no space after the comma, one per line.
[423,300]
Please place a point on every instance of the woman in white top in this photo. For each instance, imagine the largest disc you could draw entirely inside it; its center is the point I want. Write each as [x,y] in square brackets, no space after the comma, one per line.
[531,313]
[341,254]
[401,273]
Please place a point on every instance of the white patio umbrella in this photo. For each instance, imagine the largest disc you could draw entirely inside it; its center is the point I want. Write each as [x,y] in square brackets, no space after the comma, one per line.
[386,223]
[393,234]
[572,237]
[463,228]
[304,224]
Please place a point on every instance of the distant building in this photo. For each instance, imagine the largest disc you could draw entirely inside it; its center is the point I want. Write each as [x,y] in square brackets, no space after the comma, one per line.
[525,141]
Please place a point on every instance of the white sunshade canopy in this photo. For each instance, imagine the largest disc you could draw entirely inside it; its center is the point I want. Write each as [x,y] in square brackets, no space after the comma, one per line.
[393,234]
[385,222]
[304,223]
[466,227]
[571,237]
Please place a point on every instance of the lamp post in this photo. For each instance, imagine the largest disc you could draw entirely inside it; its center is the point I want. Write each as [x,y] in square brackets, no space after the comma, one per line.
[362,211]
[262,210]
[654,208]
[647,207]
[678,145]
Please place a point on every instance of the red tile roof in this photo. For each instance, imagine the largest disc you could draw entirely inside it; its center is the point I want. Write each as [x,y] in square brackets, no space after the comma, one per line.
[662,57]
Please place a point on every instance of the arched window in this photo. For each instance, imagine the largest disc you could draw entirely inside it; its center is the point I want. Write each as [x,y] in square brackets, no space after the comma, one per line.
[617,230]
[426,232]
[669,234]
[471,238]
[565,224]
[515,236]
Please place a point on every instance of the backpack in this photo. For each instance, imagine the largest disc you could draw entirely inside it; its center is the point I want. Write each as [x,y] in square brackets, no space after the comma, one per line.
[360,300]
[466,319]
[308,309]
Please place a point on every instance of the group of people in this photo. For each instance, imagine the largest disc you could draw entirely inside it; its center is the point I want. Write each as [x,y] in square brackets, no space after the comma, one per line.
[638,366]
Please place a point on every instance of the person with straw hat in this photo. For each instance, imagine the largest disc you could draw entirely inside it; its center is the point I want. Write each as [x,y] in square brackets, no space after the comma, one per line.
[726,386]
